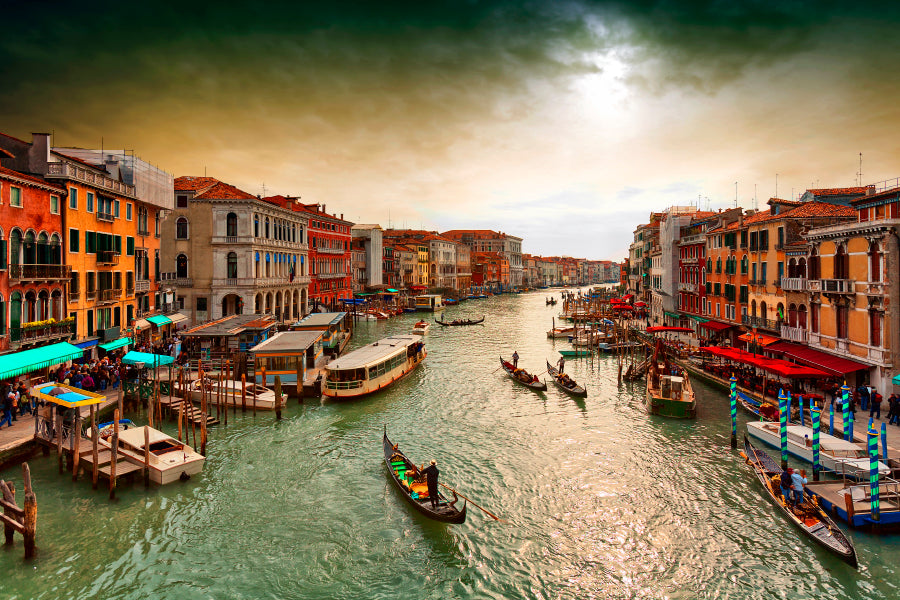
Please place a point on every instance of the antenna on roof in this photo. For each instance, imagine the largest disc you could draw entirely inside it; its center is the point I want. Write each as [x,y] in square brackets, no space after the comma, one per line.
[776,185]
[755,200]
[860,169]
[735,194]
[264,188]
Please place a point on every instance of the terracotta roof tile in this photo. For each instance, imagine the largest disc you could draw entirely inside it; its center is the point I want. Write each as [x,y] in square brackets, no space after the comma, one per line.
[819,209]
[189,183]
[891,193]
[224,191]
[32,178]
[838,191]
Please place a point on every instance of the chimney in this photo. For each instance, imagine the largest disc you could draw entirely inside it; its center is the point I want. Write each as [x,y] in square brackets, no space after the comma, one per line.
[39,153]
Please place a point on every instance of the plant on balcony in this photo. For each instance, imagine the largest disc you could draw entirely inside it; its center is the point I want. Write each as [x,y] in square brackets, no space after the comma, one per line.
[45,323]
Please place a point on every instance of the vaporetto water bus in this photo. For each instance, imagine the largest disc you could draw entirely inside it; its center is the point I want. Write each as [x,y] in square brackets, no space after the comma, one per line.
[373,367]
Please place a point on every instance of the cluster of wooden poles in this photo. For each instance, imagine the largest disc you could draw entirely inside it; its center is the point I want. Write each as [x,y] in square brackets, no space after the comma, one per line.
[15,519]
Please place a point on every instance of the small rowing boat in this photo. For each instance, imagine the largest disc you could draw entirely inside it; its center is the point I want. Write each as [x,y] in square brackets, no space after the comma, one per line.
[565,383]
[808,516]
[458,322]
[560,332]
[522,376]
[414,489]
[575,353]
[421,328]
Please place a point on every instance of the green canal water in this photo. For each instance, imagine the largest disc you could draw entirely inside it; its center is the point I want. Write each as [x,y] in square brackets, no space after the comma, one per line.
[598,499]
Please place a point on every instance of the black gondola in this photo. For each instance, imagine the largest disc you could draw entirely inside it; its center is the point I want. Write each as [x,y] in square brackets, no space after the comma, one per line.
[573,389]
[398,466]
[459,322]
[551,302]
[522,376]
[809,517]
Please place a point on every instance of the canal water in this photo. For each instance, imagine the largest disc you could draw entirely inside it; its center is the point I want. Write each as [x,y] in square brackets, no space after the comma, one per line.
[597,499]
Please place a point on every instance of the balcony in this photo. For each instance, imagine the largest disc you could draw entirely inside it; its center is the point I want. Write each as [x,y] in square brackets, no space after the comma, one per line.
[144,232]
[70,171]
[687,287]
[878,354]
[329,250]
[184,282]
[876,288]
[690,260]
[770,324]
[74,296]
[90,295]
[793,284]
[142,285]
[105,217]
[39,272]
[110,295]
[794,334]
[331,275]
[232,239]
[838,286]
[813,285]
[38,333]
[757,282]
[107,257]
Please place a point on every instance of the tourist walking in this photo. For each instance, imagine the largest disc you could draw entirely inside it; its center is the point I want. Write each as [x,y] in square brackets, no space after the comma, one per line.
[875,404]
[894,410]
[8,401]
[863,397]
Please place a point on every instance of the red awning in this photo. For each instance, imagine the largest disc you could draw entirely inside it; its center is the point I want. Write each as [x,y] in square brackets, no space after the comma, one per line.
[780,367]
[834,365]
[640,303]
[759,338]
[715,325]
[627,296]
[622,307]
[663,328]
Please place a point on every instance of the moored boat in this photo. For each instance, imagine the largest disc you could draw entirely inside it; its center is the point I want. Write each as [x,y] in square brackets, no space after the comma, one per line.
[459,322]
[421,328]
[565,383]
[575,353]
[169,459]
[373,367]
[414,489]
[808,516]
[669,392]
[560,332]
[230,393]
[522,376]
[839,456]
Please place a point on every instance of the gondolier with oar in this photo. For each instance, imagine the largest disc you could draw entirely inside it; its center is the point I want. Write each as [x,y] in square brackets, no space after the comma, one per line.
[562,364]
[515,358]
[431,477]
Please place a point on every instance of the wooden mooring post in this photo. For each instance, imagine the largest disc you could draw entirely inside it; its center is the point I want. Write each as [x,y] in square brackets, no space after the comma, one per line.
[146,456]
[95,448]
[243,392]
[114,456]
[23,520]
[277,397]
[300,380]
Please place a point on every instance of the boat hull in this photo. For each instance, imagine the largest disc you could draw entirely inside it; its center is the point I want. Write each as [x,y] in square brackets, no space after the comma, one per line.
[577,390]
[538,386]
[365,390]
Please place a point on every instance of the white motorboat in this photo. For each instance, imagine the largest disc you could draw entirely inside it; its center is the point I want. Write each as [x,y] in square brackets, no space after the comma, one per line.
[421,328]
[839,456]
[560,332]
[230,392]
[169,459]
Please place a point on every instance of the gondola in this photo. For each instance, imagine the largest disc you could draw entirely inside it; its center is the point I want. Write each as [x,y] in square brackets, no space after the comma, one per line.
[551,302]
[573,390]
[809,517]
[399,466]
[522,376]
[459,322]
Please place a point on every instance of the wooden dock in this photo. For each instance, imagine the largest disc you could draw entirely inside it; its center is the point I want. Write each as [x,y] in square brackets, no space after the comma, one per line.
[193,414]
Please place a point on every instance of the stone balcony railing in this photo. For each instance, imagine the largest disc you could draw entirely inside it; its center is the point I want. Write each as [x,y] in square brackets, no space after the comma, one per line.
[70,171]
[838,286]
[39,272]
[106,217]
[770,324]
[690,260]
[142,285]
[876,288]
[793,284]
[324,250]
[110,294]
[330,275]
[794,334]
[184,282]
[687,287]
[37,334]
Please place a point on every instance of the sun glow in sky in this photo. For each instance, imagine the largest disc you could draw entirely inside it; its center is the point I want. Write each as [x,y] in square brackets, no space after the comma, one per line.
[563,123]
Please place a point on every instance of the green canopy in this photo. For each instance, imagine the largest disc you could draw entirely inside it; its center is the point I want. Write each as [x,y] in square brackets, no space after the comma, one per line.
[696,318]
[147,358]
[116,344]
[392,290]
[896,379]
[672,315]
[159,320]
[37,358]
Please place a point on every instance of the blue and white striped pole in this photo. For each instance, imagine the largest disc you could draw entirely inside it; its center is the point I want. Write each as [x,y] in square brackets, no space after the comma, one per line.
[884,455]
[802,416]
[814,413]
[733,398]
[873,474]
[845,408]
[782,419]
[831,419]
[851,426]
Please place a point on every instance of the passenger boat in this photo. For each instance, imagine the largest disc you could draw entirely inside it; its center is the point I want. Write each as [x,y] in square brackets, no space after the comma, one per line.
[809,517]
[565,383]
[522,376]
[230,393]
[839,456]
[421,328]
[458,322]
[560,332]
[170,460]
[669,392]
[415,491]
[373,367]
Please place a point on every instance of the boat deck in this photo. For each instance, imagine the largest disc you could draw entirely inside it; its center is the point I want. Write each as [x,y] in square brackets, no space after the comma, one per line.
[852,503]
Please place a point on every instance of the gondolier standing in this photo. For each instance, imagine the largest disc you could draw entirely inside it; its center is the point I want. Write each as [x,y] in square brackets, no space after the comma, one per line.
[515,359]
[431,474]
[562,364]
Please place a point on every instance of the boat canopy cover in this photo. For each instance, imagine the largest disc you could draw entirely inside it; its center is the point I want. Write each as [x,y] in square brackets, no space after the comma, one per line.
[27,361]
[65,395]
[147,358]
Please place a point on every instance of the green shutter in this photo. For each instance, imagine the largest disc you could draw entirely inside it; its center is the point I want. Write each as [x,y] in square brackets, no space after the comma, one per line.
[73,240]
[129,246]
[2,317]
[90,242]
[3,255]
[118,247]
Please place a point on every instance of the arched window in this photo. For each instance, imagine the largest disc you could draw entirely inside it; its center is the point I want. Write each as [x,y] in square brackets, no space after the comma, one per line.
[2,316]
[801,268]
[55,250]
[801,317]
[753,308]
[231,224]
[745,265]
[56,305]
[841,263]
[30,313]
[874,262]
[232,265]
[28,250]
[719,265]
[763,310]
[181,228]
[42,253]
[15,316]
[42,310]
[181,266]
[792,315]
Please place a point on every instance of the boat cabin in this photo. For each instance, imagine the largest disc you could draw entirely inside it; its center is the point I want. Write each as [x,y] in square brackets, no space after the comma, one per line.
[429,302]
[671,386]
[286,354]
[336,328]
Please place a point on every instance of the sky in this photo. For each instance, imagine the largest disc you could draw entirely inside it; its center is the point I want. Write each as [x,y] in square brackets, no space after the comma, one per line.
[564,123]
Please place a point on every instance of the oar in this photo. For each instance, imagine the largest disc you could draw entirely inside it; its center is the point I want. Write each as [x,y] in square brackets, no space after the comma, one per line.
[496,518]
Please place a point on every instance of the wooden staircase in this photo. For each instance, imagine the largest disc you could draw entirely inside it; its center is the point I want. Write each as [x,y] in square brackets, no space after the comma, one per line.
[191,410]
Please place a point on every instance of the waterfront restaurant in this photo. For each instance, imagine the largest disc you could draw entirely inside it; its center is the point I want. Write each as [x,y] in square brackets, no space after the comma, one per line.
[286,354]
[336,328]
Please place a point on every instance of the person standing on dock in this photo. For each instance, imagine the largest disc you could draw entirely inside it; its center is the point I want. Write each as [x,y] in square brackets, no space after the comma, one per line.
[515,358]
[431,476]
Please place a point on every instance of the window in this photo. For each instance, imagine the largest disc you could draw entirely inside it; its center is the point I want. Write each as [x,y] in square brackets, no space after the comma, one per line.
[745,264]
[156,231]
[90,202]
[54,205]
[781,237]
[841,264]
[201,304]
[90,242]
[73,240]
[15,196]
[842,315]
[231,224]
[874,328]
[181,201]
[874,263]
[181,266]
[255,225]
[73,198]
[128,209]
[129,246]
[232,265]
[181,229]
[116,209]
[267,228]
[780,272]
[762,272]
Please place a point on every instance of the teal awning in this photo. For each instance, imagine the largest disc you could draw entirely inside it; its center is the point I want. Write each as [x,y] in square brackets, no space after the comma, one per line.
[116,344]
[696,318]
[159,320]
[392,290]
[896,379]
[672,315]
[27,361]
[147,358]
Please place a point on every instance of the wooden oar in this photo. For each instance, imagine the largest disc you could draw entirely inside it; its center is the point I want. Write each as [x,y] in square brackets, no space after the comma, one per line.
[496,518]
